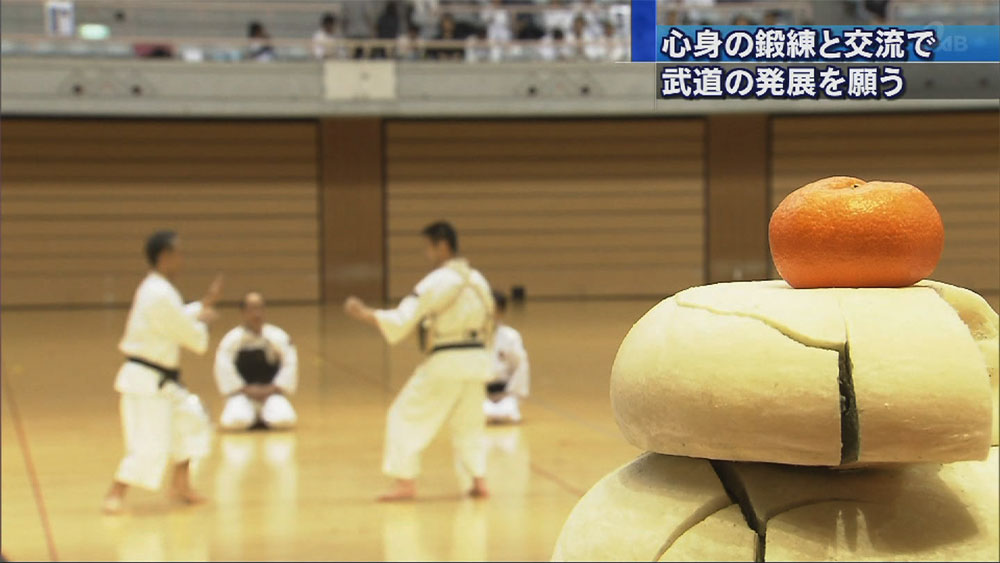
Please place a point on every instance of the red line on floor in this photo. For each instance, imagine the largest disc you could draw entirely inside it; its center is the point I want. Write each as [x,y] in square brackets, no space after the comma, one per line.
[30,465]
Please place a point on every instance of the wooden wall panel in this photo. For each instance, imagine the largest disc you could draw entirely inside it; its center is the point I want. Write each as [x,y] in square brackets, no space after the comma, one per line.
[80,196]
[953,157]
[737,197]
[353,227]
[565,208]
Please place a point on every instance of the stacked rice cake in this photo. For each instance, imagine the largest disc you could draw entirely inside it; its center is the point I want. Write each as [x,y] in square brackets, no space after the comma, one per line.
[880,405]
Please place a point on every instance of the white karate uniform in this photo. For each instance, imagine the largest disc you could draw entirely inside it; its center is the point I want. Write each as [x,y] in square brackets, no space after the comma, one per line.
[498,31]
[242,412]
[558,18]
[586,47]
[510,366]
[323,44]
[454,305]
[161,423]
[327,45]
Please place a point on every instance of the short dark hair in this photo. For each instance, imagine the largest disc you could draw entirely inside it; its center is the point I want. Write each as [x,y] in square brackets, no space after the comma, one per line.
[500,300]
[442,230]
[254,29]
[158,243]
[328,19]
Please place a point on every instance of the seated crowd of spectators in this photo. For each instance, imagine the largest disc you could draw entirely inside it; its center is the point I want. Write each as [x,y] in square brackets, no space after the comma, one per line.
[548,30]
[746,12]
[465,30]
[457,30]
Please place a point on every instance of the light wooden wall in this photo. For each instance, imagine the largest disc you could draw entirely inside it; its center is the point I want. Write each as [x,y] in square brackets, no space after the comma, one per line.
[353,208]
[953,157]
[80,196]
[737,213]
[565,208]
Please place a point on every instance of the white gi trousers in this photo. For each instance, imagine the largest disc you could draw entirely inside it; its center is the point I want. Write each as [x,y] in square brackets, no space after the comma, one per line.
[506,409]
[169,426]
[446,387]
[242,412]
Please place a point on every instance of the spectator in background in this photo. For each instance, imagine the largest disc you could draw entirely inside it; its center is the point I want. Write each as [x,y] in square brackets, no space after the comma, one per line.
[778,17]
[448,33]
[496,18]
[554,47]
[742,19]
[388,26]
[410,47]
[526,28]
[324,41]
[425,17]
[477,48]
[621,18]
[876,10]
[612,47]
[260,48]
[699,12]
[359,22]
[594,15]
[467,22]
[581,43]
[557,16]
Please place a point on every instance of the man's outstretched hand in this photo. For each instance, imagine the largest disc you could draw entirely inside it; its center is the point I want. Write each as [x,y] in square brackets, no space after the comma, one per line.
[357,309]
[208,315]
[213,293]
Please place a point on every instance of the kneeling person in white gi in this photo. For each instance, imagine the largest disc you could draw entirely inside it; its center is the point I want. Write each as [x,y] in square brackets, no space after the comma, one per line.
[511,373]
[162,421]
[256,367]
[454,309]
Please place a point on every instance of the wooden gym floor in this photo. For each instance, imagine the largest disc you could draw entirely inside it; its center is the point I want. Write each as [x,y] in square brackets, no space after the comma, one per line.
[305,494]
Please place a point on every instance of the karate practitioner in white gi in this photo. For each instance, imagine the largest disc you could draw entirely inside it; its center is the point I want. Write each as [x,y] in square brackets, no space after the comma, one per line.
[162,421]
[256,367]
[453,308]
[511,372]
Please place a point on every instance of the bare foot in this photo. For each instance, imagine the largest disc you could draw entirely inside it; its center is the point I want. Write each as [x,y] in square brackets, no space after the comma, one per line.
[187,496]
[479,489]
[113,504]
[114,501]
[404,489]
[181,490]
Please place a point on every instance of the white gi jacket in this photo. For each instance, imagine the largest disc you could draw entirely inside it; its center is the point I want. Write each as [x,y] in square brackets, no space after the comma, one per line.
[453,302]
[274,340]
[510,361]
[454,305]
[158,325]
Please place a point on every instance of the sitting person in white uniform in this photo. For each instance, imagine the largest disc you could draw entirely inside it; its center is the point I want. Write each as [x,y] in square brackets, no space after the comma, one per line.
[511,372]
[256,368]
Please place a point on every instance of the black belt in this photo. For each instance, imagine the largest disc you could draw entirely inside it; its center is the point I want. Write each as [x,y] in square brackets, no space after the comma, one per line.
[165,373]
[457,346]
[422,331]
